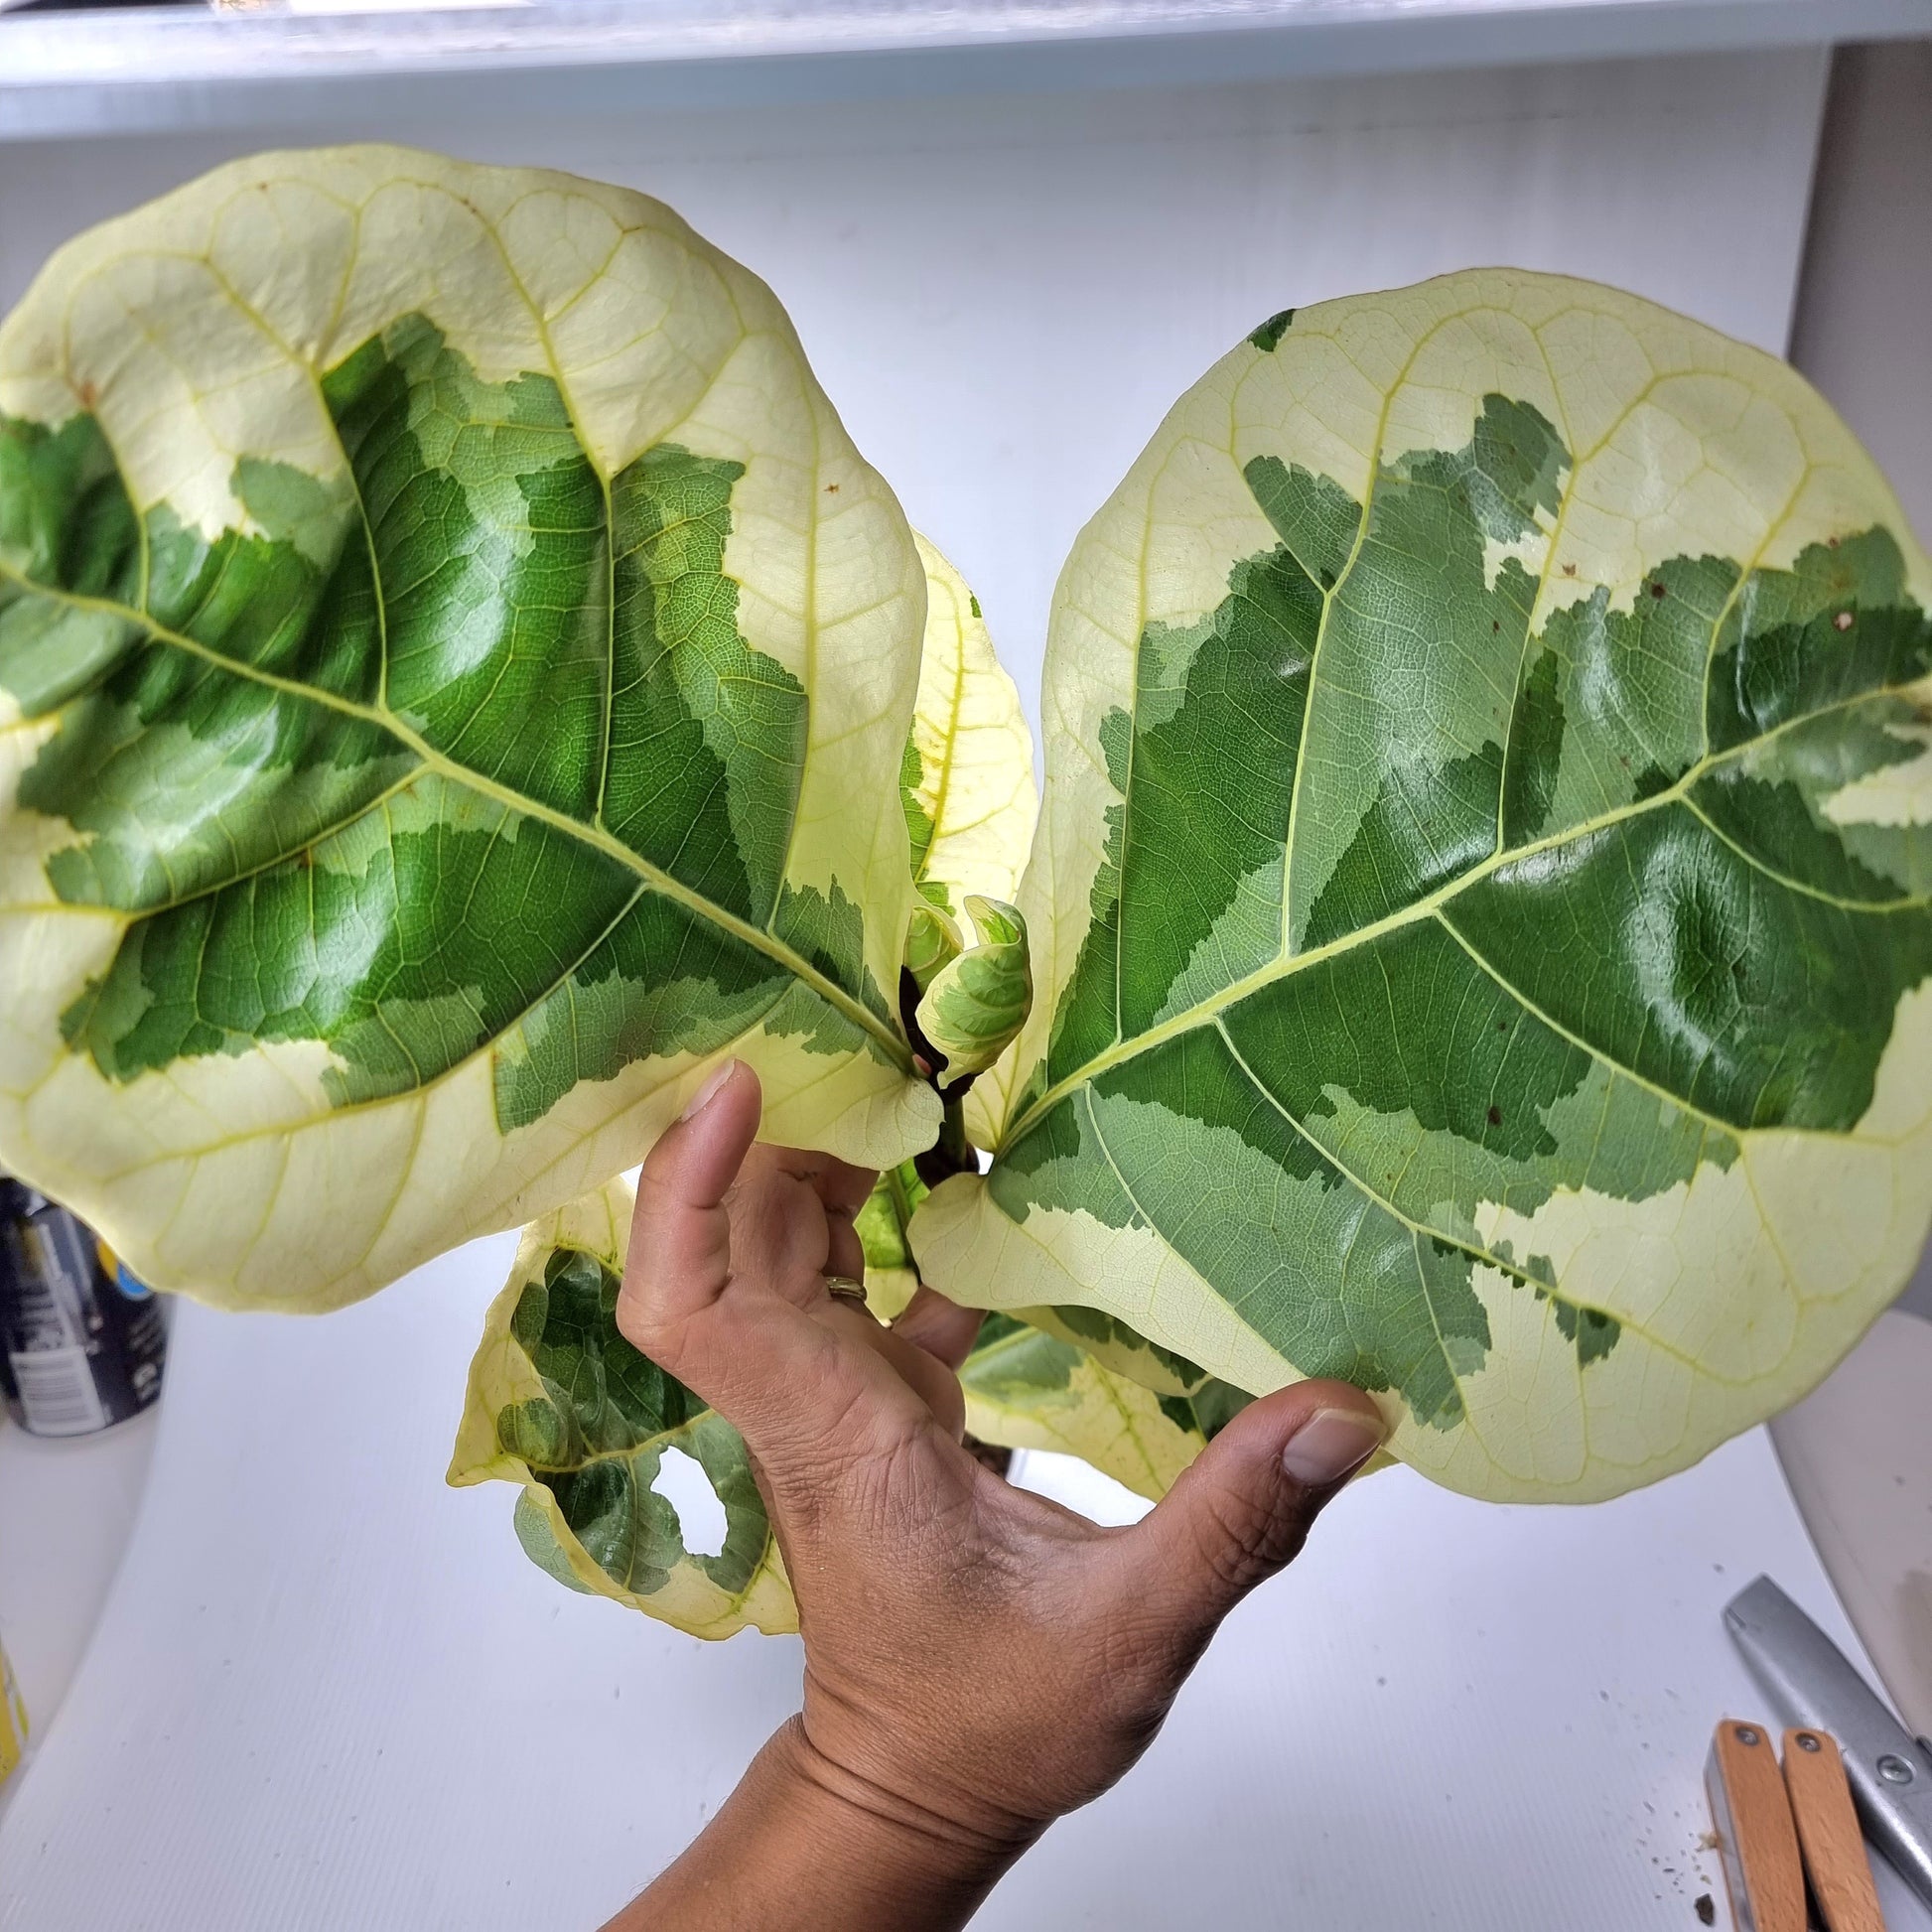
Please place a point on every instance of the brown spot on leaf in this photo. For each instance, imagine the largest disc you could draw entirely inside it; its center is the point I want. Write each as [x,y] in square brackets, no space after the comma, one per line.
[831,489]
[88,393]
[1656,590]
[1495,1115]
[1705,1910]
[1570,570]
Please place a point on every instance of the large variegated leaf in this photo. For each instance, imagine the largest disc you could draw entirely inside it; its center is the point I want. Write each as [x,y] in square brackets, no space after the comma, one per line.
[1480,918]
[453,676]
[560,1402]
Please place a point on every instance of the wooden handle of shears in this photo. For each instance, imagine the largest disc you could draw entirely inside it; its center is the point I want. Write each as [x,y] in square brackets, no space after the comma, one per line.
[1763,1874]
[1828,1833]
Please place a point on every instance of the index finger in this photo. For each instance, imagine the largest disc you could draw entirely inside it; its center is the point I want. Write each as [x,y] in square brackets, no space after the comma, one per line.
[803,1391]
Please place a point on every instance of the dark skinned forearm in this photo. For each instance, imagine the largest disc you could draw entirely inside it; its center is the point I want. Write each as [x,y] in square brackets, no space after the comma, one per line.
[801,1846]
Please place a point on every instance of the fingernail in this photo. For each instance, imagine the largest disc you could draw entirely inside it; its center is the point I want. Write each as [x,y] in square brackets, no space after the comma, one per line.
[706,1093]
[1330,1444]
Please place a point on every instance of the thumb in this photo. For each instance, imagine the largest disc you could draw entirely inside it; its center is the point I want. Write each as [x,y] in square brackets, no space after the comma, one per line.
[1242,1509]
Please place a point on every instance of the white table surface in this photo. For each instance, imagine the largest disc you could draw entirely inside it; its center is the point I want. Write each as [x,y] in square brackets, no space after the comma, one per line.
[66,1509]
[329,1692]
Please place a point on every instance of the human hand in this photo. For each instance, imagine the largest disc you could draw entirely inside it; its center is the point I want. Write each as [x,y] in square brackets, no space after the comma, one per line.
[978,1659]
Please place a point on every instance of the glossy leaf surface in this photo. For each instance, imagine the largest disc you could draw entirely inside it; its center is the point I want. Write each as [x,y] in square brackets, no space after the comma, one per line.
[455,672]
[1480,920]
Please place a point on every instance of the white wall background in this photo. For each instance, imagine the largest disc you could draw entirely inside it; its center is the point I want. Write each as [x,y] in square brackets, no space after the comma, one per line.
[1864,325]
[1004,295]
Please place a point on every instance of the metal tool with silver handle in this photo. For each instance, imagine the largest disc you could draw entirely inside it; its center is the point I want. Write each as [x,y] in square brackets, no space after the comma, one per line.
[1813,1683]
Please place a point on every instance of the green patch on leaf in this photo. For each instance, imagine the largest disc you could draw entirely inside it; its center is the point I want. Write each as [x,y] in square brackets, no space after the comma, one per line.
[1593,1333]
[1268,337]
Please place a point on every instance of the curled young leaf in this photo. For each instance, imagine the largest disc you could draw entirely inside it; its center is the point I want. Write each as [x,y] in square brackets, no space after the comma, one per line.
[970,798]
[561,1403]
[933,941]
[453,677]
[975,1004]
[1481,915]
[967,778]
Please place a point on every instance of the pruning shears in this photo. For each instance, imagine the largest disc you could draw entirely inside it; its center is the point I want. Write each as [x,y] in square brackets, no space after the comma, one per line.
[1849,1773]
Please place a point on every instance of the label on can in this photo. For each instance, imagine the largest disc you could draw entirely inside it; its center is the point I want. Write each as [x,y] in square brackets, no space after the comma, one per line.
[82,1341]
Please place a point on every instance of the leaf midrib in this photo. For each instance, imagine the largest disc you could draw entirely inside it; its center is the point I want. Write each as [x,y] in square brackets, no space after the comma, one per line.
[594,836]
[1285,965]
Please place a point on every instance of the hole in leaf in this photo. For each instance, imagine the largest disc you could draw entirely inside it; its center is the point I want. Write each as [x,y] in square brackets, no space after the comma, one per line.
[682,1482]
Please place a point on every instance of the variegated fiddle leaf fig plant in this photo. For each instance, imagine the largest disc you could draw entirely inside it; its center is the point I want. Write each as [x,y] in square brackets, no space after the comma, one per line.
[459,684]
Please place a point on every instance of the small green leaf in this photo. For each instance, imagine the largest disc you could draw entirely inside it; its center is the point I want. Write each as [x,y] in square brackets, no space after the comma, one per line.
[976,1004]
[891,1275]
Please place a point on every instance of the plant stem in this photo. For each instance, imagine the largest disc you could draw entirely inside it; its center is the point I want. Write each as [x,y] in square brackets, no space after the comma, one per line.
[952,1153]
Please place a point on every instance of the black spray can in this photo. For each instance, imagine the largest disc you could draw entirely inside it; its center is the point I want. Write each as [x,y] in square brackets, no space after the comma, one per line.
[82,1341]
